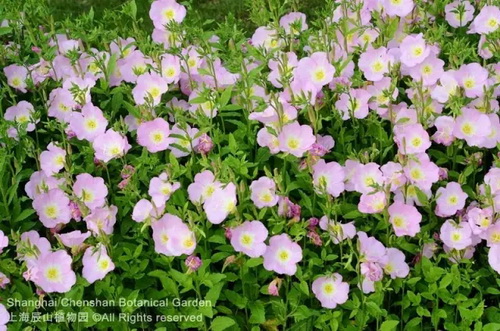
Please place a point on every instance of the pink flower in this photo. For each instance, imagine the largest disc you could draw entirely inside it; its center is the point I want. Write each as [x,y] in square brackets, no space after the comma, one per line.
[422,172]
[456,236]
[4,241]
[399,8]
[487,21]
[411,139]
[296,139]
[134,65]
[338,231]
[96,263]
[450,199]
[163,12]
[142,210]
[330,290]
[54,273]
[3,283]
[170,68]
[266,38]
[53,159]
[39,183]
[52,208]
[154,135]
[73,239]
[172,237]
[160,189]
[222,203]
[429,71]
[263,192]
[367,177]
[186,142]
[249,238]
[91,190]
[291,21]
[395,265]
[16,77]
[473,126]
[372,203]
[374,63]
[493,235]
[371,249]
[414,50]
[110,145]
[267,139]
[328,177]
[494,258]
[473,78]
[193,263]
[459,13]
[89,123]
[203,187]
[480,220]
[274,287]
[282,255]
[316,69]
[61,104]
[4,317]
[394,175]
[149,89]
[354,104]
[22,113]
[102,220]
[405,219]
[31,246]
[288,209]
[444,134]
[492,179]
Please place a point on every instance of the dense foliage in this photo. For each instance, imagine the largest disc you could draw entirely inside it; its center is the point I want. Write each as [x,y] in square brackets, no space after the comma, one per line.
[261,169]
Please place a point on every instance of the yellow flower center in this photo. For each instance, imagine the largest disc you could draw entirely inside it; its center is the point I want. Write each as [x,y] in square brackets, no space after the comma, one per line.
[266,197]
[59,160]
[114,150]
[492,23]
[377,66]
[416,142]
[467,129]
[456,236]
[328,289]
[170,72]
[169,14]
[87,196]
[104,264]
[426,69]
[283,256]
[91,124]
[188,243]
[398,222]
[416,174]
[164,238]
[157,137]
[53,274]
[319,75]
[495,237]
[469,83]
[293,143]
[51,211]
[246,240]
[155,92]
[417,51]
[453,200]
[16,81]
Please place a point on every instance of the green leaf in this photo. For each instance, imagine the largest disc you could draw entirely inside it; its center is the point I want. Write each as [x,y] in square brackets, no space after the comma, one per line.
[258,313]
[221,323]
[389,325]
